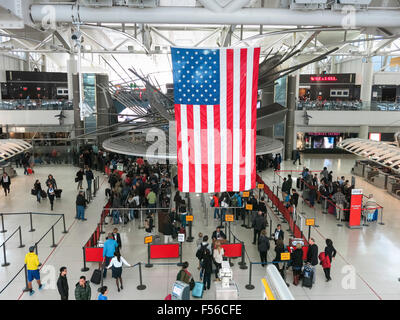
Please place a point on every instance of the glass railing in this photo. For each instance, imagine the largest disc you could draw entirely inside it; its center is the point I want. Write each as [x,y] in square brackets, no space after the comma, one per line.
[36,105]
[347,106]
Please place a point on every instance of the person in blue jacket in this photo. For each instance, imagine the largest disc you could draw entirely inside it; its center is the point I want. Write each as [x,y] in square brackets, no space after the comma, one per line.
[103,293]
[110,245]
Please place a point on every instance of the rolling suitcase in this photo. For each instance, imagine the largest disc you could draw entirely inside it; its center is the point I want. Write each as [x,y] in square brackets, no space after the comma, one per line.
[43,194]
[96,277]
[298,183]
[197,291]
[307,277]
[58,193]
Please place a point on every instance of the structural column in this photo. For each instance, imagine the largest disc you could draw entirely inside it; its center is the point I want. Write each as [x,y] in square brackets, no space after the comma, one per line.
[104,108]
[78,124]
[363,132]
[291,106]
[367,79]
[71,69]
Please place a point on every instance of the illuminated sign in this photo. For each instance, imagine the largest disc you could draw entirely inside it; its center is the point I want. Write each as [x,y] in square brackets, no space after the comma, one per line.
[323,133]
[326,78]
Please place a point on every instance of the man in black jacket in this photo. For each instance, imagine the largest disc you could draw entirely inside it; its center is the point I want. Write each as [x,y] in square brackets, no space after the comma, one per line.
[258,225]
[278,233]
[62,284]
[312,255]
[294,199]
[218,234]
[80,206]
[117,237]
[5,182]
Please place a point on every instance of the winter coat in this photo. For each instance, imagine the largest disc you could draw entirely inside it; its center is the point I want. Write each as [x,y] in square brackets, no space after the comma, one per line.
[83,293]
[312,254]
[263,244]
[62,286]
[79,175]
[206,263]
[297,258]
[259,223]
[325,261]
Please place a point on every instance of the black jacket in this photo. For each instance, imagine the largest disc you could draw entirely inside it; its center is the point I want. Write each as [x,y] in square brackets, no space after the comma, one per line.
[258,223]
[294,199]
[330,251]
[285,187]
[80,200]
[37,187]
[79,175]
[278,251]
[297,258]
[206,263]
[312,254]
[281,234]
[89,175]
[262,207]
[62,286]
[263,244]
[221,233]
[117,237]
[5,184]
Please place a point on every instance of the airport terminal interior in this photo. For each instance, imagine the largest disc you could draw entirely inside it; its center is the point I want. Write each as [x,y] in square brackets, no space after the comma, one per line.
[199,149]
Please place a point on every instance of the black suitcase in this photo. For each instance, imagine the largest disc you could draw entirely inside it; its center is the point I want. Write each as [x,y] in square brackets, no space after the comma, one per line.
[96,277]
[58,193]
[126,218]
[298,183]
[307,277]
[43,194]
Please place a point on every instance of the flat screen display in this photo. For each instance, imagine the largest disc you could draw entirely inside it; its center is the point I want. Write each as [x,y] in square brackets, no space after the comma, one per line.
[375,136]
[323,142]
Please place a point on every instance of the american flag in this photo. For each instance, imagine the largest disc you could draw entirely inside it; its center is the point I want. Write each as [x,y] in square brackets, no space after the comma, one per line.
[215,93]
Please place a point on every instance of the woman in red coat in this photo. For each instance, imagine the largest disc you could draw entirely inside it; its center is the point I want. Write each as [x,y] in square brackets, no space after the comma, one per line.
[326,264]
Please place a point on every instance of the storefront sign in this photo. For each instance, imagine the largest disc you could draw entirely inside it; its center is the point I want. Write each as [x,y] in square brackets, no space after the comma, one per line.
[355,208]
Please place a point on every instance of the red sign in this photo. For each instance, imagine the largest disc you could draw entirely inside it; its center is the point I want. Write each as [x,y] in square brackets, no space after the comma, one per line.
[233,250]
[355,208]
[327,78]
[164,251]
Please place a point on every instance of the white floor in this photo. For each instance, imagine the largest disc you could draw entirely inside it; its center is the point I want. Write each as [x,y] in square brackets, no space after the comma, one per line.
[372,251]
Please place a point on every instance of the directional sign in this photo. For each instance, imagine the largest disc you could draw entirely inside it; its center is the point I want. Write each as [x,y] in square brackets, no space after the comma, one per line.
[249,207]
[310,222]
[245,194]
[260,186]
[148,239]
[229,217]
[189,218]
[285,256]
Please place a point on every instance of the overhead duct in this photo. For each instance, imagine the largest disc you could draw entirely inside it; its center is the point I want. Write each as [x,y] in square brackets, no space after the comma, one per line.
[245,16]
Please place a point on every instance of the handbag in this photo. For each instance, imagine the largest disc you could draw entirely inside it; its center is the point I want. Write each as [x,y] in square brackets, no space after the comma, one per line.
[34,192]
[76,179]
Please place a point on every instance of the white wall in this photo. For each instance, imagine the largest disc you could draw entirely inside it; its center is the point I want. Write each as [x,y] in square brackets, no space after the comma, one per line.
[385,78]
[8,62]
[34,117]
[349,118]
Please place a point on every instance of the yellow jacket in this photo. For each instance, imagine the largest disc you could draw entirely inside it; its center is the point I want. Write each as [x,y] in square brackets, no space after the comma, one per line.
[32,261]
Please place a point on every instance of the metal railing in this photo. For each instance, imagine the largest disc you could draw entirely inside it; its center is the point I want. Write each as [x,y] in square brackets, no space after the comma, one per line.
[36,105]
[5,264]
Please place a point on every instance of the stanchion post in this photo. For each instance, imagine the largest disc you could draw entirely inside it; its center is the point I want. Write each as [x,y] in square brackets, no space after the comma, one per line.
[85,268]
[30,217]
[250,286]
[309,232]
[20,238]
[180,264]
[242,263]
[381,223]
[141,286]
[190,238]
[36,251]
[65,230]
[315,218]
[270,228]
[148,264]
[26,289]
[5,264]
[52,235]
[2,225]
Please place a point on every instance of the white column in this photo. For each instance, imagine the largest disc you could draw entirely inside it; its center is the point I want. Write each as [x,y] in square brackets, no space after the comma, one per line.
[71,69]
[367,80]
[363,132]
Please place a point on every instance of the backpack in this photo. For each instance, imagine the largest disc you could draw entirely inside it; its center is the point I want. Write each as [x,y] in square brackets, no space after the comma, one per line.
[201,251]
[234,202]
[212,203]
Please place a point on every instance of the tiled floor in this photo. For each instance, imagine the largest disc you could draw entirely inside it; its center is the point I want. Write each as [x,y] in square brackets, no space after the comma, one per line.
[373,250]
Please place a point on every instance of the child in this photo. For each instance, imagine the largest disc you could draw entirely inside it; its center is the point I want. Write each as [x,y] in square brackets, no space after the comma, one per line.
[103,293]
[326,264]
